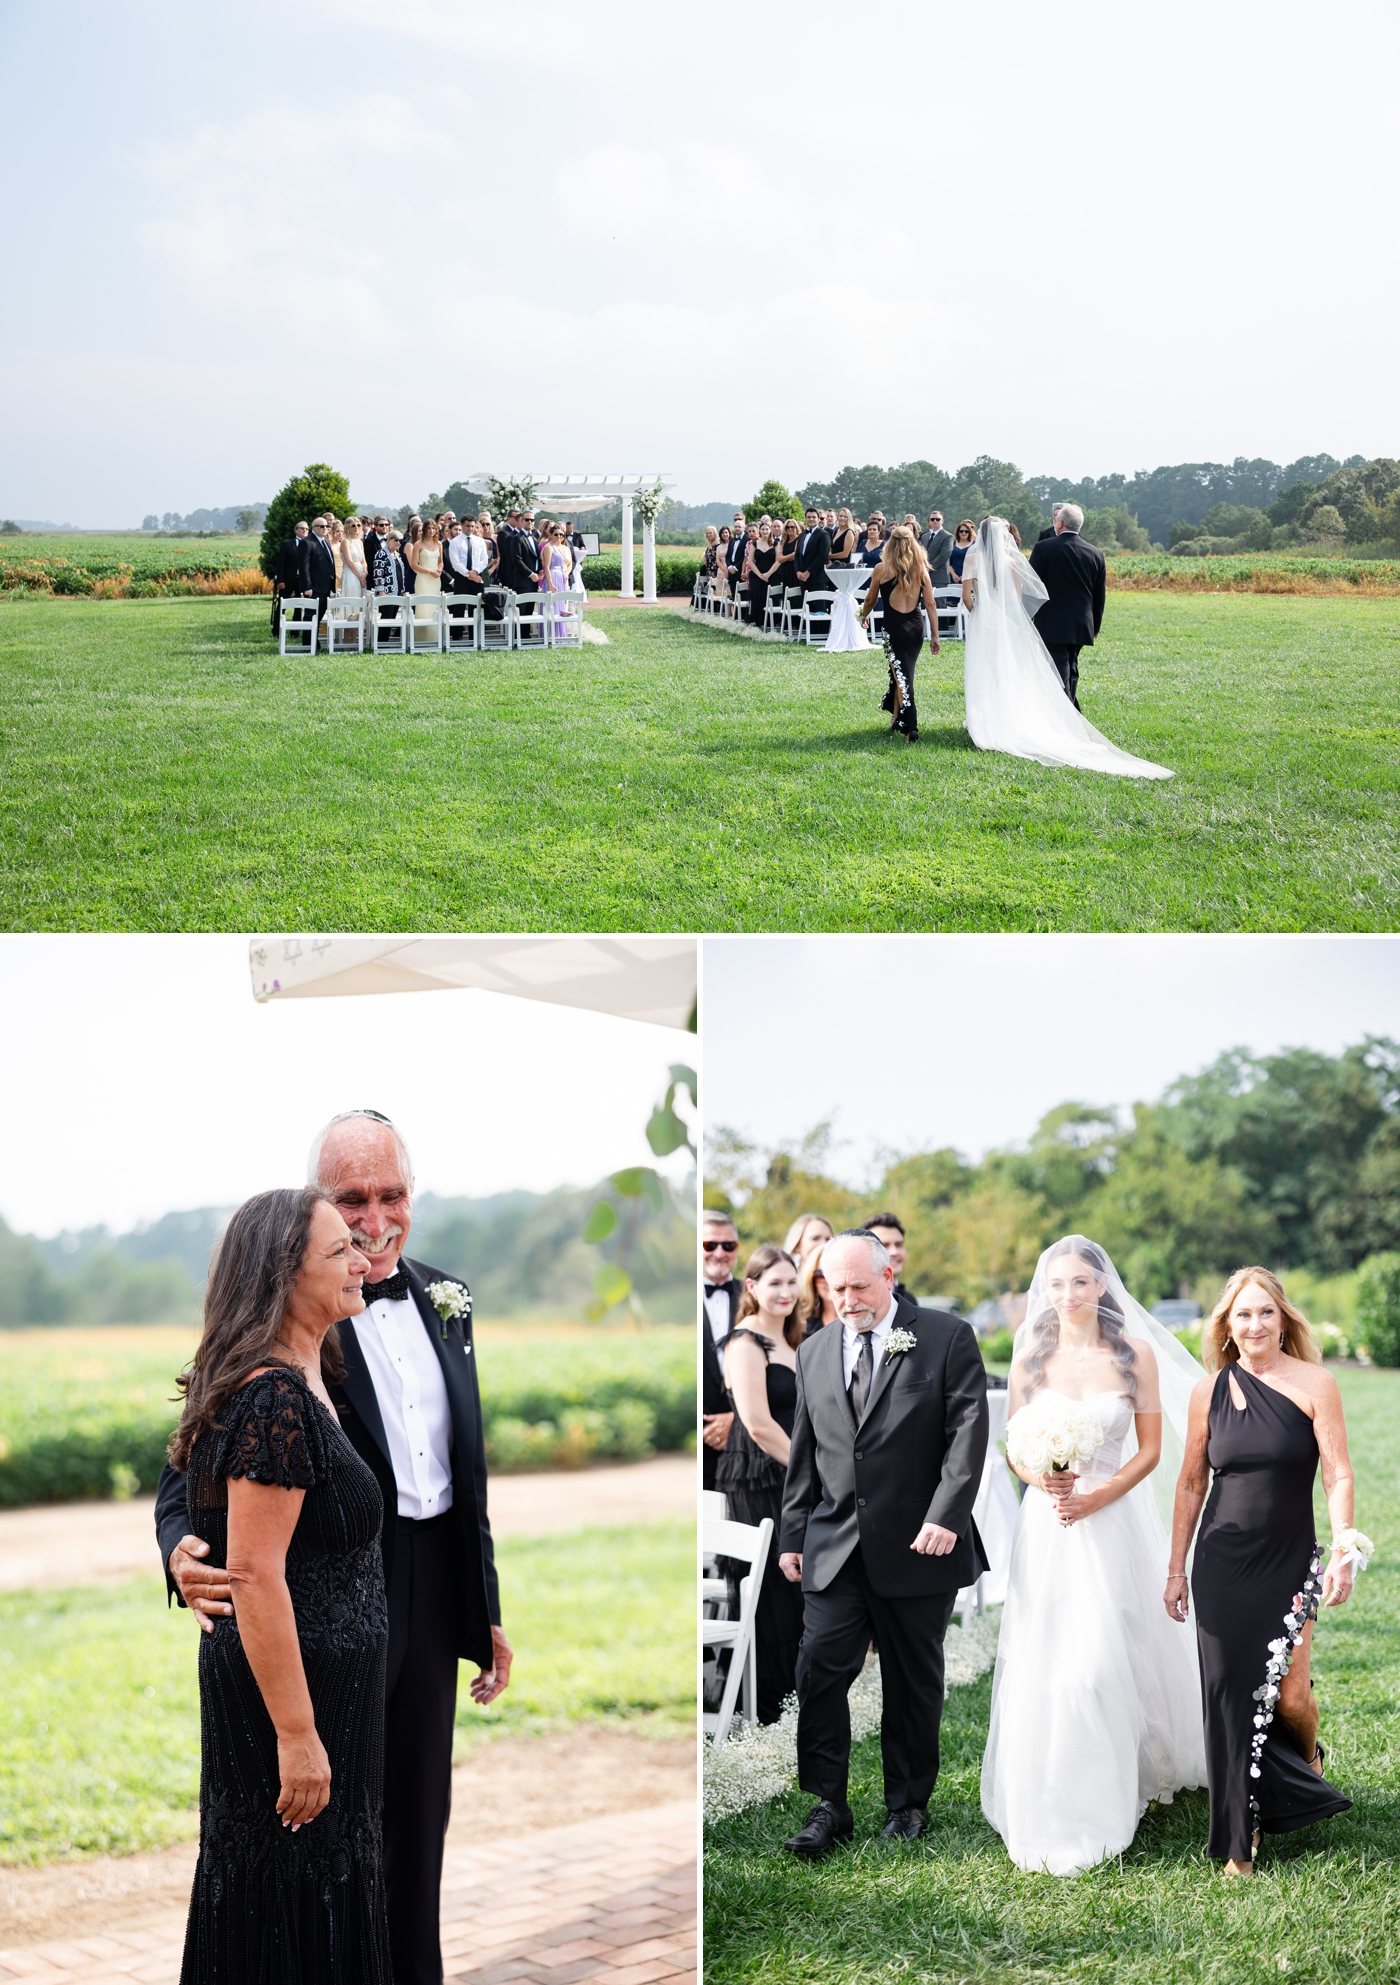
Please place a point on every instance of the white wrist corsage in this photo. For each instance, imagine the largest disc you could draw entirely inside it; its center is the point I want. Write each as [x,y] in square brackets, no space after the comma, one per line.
[1354,1548]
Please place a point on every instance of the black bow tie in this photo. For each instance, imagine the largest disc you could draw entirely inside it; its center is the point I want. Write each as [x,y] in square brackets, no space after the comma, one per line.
[392,1290]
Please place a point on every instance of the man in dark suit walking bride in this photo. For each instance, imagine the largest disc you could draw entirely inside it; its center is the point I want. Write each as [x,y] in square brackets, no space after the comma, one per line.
[888,1443]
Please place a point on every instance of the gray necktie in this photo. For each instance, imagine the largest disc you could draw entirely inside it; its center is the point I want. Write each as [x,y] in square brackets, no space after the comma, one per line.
[863,1373]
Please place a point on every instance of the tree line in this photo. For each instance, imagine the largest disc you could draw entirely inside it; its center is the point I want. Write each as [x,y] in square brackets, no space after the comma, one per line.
[1290,1159]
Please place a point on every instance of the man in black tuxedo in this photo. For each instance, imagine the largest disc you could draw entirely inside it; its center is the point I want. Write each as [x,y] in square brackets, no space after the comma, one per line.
[937,545]
[888,1230]
[1076,578]
[813,550]
[375,536]
[287,578]
[888,1442]
[318,567]
[411,1408]
[519,567]
[721,1289]
[1049,531]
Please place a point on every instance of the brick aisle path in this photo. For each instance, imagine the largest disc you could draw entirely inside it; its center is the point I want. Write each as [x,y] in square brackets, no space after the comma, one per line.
[611,1900]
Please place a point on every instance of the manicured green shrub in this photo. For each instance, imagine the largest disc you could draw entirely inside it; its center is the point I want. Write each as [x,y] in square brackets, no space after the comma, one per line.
[1378,1308]
[675,572]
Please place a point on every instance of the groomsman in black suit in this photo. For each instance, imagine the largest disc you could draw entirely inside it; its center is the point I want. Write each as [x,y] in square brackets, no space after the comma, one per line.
[937,545]
[410,1406]
[721,1291]
[288,575]
[1076,578]
[1049,531]
[519,567]
[317,567]
[813,550]
[888,1442]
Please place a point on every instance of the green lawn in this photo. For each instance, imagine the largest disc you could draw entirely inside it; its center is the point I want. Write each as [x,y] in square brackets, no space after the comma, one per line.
[1323,1906]
[165,770]
[99,1700]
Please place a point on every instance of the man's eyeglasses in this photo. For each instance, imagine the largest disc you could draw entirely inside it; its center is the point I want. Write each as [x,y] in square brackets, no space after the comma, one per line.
[720,1247]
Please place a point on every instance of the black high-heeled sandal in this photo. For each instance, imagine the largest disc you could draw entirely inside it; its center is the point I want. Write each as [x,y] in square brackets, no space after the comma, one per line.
[1318,1758]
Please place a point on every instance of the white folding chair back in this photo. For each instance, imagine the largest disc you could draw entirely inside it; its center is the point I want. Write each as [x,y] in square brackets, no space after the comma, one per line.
[563,613]
[815,617]
[949,601]
[749,1543]
[345,624]
[388,626]
[425,624]
[714,1591]
[497,633]
[529,624]
[462,626]
[298,626]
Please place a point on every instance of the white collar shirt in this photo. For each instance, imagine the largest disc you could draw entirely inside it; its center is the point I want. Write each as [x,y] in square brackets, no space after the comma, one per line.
[468,555]
[717,1309]
[412,1395]
[850,1342]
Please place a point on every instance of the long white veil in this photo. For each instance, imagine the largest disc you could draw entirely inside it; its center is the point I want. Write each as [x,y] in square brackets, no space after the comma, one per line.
[1177,1371]
[1015,700]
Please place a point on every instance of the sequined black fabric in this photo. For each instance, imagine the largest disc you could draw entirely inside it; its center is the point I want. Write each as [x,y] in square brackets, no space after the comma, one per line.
[273,1907]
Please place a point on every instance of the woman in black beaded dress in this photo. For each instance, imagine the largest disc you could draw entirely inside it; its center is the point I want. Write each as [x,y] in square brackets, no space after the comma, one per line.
[1261,1425]
[902,582]
[760,1372]
[289,1887]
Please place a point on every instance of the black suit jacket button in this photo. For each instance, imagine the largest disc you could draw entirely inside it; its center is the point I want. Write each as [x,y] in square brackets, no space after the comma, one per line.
[859,1455]
[860,1502]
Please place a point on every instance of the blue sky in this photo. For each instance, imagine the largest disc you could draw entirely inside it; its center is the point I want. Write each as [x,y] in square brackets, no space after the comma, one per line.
[910,1043]
[1086,239]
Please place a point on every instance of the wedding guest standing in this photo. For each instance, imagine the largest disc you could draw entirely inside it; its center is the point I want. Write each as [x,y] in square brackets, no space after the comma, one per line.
[760,1373]
[289,1886]
[425,559]
[784,573]
[871,552]
[318,567]
[719,1245]
[962,545]
[938,546]
[408,1365]
[844,541]
[354,571]
[808,1231]
[888,1230]
[902,582]
[815,1308]
[721,586]
[1260,1427]
[287,578]
[813,550]
[762,557]
[408,548]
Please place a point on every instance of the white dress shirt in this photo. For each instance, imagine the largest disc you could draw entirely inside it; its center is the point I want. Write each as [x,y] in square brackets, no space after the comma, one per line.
[717,1310]
[468,555]
[412,1395]
[850,1343]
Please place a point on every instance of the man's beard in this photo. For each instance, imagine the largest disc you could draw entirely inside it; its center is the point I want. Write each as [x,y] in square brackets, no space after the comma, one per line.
[857,1319]
[376,1249]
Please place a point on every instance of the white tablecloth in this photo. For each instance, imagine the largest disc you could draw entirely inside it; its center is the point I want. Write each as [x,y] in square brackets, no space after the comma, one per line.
[846,631]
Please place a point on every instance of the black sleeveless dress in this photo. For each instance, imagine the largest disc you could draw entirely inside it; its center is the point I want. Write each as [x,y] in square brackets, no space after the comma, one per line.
[269,1906]
[1256,1555]
[763,563]
[752,1483]
[905,635]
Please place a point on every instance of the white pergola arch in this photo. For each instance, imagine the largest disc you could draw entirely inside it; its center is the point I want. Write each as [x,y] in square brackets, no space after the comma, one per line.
[594,492]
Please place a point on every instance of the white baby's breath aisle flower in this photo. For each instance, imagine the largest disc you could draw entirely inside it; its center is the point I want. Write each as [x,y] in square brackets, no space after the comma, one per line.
[1052,1434]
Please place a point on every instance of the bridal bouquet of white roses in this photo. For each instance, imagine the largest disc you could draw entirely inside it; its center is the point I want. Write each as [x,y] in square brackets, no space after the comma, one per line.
[1051,1434]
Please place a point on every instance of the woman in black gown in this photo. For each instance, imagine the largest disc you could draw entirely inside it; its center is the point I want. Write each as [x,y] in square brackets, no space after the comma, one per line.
[761,559]
[902,582]
[288,1888]
[1261,1425]
[760,1371]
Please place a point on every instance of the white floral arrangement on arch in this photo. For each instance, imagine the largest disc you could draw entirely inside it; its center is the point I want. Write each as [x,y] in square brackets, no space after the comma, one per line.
[649,503]
[1050,1434]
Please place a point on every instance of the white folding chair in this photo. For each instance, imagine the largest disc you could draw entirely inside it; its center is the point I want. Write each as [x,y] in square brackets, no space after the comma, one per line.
[462,626]
[750,1544]
[345,625]
[497,633]
[814,621]
[563,614]
[298,625]
[425,618]
[700,591]
[949,601]
[388,626]
[773,608]
[714,1590]
[529,623]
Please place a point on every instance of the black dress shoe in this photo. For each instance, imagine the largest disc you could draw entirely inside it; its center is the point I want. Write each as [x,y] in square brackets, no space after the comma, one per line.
[906,1824]
[825,1825]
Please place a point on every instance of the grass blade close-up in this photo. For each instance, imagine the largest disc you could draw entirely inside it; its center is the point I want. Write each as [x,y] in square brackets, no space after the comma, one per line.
[952,1907]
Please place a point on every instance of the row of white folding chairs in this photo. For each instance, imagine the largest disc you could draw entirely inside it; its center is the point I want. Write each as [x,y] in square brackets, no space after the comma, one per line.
[404,624]
[805,617]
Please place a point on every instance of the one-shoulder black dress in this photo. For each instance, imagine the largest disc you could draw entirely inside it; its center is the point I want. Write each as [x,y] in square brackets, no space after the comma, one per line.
[1256,1579]
[269,1906]
[905,635]
[752,1482]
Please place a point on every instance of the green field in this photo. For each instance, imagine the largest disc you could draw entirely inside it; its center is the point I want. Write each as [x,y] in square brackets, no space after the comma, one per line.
[167,771]
[116,566]
[88,1411]
[99,1698]
[1322,1907]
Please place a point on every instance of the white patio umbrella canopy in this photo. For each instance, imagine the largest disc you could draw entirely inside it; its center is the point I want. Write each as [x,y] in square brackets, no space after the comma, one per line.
[637,978]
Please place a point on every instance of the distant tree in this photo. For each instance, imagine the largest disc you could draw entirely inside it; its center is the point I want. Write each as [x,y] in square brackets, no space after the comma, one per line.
[248,521]
[318,491]
[773,500]
[1292,502]
[1325,521]
[171,521]
[9,528]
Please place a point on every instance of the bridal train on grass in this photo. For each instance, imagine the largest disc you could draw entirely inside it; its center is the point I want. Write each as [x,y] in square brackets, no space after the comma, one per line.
[1096,1699]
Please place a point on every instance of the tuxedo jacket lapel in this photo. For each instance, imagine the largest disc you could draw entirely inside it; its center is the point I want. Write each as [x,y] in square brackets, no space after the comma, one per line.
[359,1387]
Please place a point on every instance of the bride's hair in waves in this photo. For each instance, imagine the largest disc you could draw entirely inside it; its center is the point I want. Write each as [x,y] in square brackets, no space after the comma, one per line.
[1219,1348]
[904,552]
[1045,1328]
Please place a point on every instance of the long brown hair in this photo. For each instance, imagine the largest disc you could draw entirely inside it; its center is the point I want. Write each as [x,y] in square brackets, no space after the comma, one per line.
[904,552]
[251,1277]
[809,1303]
[1219,1348]
[755,1268]
[1045,1328]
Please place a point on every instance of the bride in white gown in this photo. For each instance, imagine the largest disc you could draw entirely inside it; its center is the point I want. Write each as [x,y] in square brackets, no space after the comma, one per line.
[1015,700]
[1096,1699]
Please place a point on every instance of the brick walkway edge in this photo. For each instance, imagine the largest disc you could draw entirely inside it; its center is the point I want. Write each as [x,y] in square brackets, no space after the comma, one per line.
[612,1899]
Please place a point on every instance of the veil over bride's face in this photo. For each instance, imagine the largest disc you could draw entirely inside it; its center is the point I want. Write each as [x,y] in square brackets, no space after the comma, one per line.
[1074,1289]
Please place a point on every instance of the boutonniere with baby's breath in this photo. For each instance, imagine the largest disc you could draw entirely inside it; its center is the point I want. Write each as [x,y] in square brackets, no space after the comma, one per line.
[450,1300]
[898,1342]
